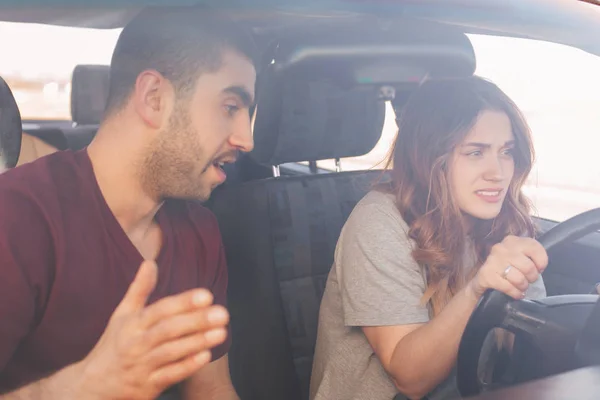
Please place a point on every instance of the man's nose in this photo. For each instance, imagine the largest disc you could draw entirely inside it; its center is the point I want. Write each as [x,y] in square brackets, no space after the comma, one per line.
[242,138]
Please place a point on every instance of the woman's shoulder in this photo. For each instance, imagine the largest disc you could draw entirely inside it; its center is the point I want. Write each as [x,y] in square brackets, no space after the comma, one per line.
[376,213]
[383,199]
[375,248]
[379,204]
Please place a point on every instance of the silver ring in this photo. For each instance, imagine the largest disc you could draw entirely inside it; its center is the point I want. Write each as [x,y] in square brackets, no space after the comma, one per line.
[506,271]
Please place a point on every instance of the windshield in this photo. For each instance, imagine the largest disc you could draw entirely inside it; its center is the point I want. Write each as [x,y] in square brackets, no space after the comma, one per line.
[558,89]
[556,86]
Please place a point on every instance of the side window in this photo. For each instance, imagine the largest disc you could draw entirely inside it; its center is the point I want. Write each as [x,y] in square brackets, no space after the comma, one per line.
[38,66]
[558,89]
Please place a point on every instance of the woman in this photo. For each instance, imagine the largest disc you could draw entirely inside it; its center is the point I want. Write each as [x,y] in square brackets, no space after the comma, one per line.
[415,256]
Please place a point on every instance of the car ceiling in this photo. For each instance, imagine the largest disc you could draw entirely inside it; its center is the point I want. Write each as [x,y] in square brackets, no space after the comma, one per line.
[570,22]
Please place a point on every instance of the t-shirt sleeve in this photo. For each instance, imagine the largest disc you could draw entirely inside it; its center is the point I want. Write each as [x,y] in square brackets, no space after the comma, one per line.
[380,282]
[25,255]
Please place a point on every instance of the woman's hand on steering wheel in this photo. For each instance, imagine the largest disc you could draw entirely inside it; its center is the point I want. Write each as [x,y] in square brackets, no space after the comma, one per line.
[511,266]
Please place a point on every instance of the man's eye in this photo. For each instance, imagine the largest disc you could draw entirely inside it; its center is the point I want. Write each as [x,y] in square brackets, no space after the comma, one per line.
[475,153]
[231,108]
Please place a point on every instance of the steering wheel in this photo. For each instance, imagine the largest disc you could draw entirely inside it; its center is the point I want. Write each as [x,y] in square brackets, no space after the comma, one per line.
[538,321]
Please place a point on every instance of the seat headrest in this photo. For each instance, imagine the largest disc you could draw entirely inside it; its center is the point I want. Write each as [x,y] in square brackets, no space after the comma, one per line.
[11,129]
[304,119]
[89,92]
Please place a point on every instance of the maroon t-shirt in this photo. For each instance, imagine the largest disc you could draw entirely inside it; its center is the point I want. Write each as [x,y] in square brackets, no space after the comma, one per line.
[66,263]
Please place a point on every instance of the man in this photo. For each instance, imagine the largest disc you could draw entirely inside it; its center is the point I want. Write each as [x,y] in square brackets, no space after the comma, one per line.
[79,317]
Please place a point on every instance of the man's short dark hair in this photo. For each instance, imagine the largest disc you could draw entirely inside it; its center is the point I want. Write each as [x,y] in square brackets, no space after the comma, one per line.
[179,42]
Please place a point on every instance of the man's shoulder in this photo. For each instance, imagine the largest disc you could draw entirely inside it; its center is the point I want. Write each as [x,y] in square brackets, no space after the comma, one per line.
[40,183]
[44,170]
[32,198]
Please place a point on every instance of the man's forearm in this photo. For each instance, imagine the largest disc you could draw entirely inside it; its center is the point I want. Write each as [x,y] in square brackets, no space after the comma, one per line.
[212,382]
[426,356]
[219,394]
[225,395]
[65,384]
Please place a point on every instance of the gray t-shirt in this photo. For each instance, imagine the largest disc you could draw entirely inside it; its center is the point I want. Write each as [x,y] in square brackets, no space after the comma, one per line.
[374,282]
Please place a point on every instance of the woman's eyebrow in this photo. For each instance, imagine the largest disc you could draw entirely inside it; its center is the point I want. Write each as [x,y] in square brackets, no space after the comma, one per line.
[487,145]
[478,144]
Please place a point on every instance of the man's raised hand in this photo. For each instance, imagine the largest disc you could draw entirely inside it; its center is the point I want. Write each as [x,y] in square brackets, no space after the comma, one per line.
[145,349]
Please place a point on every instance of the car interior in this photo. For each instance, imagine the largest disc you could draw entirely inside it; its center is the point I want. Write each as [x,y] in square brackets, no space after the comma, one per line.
[321,95]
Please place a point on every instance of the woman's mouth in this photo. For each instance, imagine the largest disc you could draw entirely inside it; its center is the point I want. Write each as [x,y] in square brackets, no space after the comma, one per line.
[490,195]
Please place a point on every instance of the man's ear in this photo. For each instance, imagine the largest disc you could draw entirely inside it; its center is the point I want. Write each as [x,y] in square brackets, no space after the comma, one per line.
[152,98]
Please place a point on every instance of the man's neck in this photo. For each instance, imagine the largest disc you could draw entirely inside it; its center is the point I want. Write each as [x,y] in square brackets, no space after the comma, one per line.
[115,169]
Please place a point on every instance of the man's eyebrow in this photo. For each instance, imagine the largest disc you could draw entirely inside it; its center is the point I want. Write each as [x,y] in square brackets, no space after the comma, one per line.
[242,93]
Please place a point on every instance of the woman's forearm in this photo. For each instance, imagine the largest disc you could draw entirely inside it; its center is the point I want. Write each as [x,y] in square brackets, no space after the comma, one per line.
[425,357]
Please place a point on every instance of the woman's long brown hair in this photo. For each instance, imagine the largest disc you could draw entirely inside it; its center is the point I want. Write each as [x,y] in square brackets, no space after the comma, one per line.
[436,119]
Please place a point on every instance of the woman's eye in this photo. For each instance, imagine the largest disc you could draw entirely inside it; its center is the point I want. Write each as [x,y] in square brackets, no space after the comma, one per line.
[475,153]
[508,152]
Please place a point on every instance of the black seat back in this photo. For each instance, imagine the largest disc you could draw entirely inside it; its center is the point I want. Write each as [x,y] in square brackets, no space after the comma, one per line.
[280,236]
[89,92]
[11,130]
[280,233]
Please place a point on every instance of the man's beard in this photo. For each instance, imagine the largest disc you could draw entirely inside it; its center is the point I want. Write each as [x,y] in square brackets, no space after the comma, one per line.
[170,168]
[168,173]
